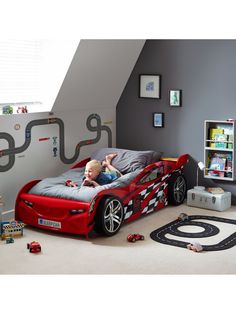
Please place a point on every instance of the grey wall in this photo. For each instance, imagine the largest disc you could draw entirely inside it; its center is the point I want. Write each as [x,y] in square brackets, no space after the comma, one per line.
[205,71]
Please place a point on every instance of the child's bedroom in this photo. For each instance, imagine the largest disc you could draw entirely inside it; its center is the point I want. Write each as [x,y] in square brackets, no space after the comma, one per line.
[158,118]
[117,156]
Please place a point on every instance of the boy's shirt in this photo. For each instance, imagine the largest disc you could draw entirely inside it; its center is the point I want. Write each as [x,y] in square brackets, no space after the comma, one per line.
[106,178]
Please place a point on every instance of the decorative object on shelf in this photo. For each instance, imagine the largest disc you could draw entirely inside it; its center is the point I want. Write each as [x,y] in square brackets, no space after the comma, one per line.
[158,120]
[175,98]
[150,86]
[7,109]
[200,166]
[22,109]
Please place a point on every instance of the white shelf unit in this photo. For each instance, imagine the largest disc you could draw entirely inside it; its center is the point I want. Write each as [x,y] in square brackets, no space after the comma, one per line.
[219,150]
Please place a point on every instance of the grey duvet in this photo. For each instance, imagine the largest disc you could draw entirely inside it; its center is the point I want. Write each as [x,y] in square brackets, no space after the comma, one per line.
[55,186]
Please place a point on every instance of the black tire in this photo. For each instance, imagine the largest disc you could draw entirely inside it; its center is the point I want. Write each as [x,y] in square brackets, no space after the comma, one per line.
[177,188]
[109,216]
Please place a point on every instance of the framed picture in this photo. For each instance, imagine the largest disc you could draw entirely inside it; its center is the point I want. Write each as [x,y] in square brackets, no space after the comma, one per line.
[149,86]
[175,98]
[158,120]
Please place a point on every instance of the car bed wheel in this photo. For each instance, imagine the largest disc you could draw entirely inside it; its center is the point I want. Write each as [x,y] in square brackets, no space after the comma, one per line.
[109,216]
[177,189]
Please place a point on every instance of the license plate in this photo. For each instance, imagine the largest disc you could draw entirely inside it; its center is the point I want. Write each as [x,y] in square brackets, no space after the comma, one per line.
[49,223]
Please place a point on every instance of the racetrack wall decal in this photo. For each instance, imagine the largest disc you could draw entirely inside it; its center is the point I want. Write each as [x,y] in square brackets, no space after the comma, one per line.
[12,150]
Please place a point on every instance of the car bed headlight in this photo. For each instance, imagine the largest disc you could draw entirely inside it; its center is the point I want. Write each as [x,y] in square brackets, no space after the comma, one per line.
[91,208]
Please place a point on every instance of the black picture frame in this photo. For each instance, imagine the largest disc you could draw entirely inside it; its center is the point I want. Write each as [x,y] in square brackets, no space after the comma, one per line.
[175,98]
[150,86]
[158,119]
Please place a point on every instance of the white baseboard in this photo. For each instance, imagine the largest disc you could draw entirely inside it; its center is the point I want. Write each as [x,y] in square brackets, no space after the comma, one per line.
[7,215]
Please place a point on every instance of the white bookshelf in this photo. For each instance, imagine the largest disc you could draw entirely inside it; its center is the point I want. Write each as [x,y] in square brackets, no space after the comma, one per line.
[219,150]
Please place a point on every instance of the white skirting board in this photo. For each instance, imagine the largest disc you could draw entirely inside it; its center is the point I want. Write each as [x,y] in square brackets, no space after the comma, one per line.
[7,215]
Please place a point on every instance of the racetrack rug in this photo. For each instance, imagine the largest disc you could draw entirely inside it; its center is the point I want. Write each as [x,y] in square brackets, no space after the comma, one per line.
[159,234]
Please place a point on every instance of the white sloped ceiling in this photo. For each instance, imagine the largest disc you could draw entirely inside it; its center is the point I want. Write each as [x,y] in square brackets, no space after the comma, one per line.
[98,74]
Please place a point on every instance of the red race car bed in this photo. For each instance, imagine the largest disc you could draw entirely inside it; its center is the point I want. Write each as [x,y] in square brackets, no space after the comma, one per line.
[148,184]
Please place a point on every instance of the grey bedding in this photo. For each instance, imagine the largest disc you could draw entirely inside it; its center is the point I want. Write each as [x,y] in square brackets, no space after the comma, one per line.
[128,162]
[55,187]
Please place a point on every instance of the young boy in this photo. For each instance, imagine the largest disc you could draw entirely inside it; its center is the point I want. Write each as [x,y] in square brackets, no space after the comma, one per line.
[94,175]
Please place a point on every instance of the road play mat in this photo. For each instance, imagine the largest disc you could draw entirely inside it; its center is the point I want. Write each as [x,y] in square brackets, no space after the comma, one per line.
[159,234]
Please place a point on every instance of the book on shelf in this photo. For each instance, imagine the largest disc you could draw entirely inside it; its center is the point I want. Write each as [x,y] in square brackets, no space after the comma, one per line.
[217,166]
[217,163]
[226,128]
[213,132]
[220,164]
[215,190]
[221,137]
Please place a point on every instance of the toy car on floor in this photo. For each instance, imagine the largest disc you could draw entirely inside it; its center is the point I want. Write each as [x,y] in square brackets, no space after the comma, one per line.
[34,247]
[147,185]
[183,217]
[134,237]
[195,247]
[9,240]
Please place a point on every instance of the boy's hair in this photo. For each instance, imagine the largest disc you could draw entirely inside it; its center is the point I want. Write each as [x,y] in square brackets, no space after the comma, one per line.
[95,164]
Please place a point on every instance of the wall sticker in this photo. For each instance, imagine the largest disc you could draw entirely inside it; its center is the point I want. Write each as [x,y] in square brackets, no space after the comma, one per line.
[12,150]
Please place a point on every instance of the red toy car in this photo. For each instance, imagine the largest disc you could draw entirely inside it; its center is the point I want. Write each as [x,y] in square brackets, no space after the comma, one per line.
[34,247]
[156,185]
[134,237]
[71,184]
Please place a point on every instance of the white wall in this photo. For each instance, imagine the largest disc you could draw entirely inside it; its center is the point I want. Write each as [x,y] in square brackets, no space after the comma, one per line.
[38,160]
[93,85]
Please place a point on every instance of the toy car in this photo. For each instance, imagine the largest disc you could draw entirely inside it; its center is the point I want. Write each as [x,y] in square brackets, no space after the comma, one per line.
[34,247]
[147,185]
[9,240]
[195,247]
[70,183]
[134,237]
[183,217]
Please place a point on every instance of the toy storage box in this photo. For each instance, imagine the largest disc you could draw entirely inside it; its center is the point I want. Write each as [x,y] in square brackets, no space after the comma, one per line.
[204,199]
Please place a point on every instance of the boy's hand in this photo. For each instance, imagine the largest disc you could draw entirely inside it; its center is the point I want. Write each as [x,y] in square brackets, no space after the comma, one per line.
[87,182]
[91,183]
